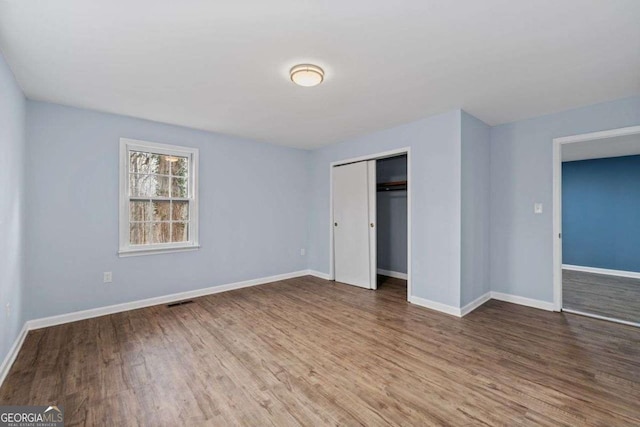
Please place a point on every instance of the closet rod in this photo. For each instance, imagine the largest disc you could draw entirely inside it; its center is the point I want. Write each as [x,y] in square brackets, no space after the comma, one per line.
[392,186]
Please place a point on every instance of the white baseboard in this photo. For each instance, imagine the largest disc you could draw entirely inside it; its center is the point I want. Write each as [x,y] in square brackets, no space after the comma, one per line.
[319,274]
[13,353]
[165,299]
[433,305]
[606,271]
[117,308]
[449,309]
[463,311]
[395,274]
[475,304]
[529,302]
[389,273]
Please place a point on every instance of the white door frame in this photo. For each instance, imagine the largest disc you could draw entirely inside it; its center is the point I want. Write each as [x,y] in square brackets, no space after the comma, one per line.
[372,175]
[557,198]
[376,156]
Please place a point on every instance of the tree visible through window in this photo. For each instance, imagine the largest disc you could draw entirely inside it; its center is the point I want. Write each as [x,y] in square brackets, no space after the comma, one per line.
[159,196]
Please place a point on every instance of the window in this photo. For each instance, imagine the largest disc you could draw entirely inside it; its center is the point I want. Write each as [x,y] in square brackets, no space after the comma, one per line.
[158,198]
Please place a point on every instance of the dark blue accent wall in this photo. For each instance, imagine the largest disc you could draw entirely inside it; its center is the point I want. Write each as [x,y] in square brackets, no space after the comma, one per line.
[601,213]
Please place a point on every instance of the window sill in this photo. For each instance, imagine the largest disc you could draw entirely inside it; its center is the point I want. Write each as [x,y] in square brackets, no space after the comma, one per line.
[155,251]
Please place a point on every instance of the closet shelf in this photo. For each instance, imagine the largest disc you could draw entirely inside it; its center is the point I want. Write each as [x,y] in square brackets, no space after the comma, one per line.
[392,186]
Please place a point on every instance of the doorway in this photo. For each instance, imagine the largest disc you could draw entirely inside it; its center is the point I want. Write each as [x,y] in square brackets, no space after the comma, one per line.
[596,225]
[391,216]
[370,223]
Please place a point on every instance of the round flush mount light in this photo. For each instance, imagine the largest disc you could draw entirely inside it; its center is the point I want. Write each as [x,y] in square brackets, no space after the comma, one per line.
[306,75]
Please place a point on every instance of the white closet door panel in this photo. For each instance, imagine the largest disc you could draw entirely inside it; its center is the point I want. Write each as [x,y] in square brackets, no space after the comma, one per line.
[373,224]
[351,224]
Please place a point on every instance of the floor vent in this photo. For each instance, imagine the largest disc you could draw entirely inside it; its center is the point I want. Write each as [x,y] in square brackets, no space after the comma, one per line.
[174,304]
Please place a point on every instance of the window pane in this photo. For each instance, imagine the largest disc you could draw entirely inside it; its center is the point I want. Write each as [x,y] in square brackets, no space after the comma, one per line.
[159,195]
[160,210]
[180,232]
[162,186]
[160,232]
[161,164]
[180,211]
[139,234]
[138,185]
[179,187]
[148,185]
[139,162]
[139,210]
[149,163]
[179,166]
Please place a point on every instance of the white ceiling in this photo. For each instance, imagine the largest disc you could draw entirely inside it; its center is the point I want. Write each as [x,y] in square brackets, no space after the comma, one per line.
[628,145]
[223,65]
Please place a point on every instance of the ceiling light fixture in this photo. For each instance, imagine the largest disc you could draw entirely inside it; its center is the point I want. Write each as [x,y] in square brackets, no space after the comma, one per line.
[306,75]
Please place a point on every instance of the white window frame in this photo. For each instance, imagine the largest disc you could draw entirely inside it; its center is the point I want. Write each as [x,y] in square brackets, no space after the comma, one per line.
[127,145]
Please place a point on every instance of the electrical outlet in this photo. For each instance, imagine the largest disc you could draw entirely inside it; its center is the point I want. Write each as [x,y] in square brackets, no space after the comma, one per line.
[303,251]
[108,278]
[537,208]
[8,310]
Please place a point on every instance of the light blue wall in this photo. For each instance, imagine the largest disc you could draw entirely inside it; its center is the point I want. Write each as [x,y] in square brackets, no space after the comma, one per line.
[12,146]
[261,203]
[476,208]
[391,213]
[253,210]
[521,174]
[435,180]
[601,213]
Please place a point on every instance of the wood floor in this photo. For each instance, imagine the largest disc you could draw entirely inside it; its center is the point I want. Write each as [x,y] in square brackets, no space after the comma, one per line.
[609,296]
[310,352]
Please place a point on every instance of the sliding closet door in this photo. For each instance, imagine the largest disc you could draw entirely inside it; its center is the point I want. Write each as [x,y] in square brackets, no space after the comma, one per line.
[351,228]
[373,235]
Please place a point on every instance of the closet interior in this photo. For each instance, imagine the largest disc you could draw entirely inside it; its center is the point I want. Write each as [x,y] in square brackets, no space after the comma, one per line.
[391,212]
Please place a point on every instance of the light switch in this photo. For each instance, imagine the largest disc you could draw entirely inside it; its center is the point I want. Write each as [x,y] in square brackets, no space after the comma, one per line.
[537,208]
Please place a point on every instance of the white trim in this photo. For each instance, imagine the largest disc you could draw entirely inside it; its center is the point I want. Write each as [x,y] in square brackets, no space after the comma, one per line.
[437,306]
[395,274]
[557,226]
[376,156]
[409,234]
[319,274]
[597,316]
[7,363]
[460,312]
[149,251]
[475,304]
[592,136]
[529,302]
[373,223]
[557,198]
[118,308]
[164,299]
[125,249]
[606,271]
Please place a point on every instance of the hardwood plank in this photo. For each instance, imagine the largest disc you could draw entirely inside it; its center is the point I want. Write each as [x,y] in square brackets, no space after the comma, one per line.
[609,296]
[307,351]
